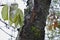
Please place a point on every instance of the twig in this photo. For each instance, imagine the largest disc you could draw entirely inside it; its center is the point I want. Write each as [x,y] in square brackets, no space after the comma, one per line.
[7,33]
[2,5]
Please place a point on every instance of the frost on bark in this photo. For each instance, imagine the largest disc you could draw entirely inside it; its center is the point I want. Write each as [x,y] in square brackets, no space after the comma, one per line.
[35,20]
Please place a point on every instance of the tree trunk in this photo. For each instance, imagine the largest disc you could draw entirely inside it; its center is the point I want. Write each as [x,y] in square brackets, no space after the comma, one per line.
[35,21]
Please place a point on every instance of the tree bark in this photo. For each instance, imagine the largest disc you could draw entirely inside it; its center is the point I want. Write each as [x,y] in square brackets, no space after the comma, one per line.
[35,21]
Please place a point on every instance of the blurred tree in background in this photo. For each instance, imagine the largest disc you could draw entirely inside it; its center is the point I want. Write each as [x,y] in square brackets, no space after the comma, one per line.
[53,21]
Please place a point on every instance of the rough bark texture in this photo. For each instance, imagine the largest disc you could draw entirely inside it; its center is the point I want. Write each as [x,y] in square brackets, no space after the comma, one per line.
[35,21]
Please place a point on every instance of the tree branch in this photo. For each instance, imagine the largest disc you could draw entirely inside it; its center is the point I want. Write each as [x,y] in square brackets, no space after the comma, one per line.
[6,32]
[2,5]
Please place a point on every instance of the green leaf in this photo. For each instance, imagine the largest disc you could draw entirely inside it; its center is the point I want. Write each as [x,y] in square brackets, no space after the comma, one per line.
[18,18]
[14,19]
[21,17]
[4,12]
[10,23]
[16,23]
[12,14]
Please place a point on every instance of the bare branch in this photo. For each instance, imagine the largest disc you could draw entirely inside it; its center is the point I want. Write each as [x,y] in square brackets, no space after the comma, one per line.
[7,33]
[2,5]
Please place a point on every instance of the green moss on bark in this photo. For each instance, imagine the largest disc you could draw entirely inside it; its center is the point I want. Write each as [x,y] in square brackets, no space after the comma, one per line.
[36,32]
